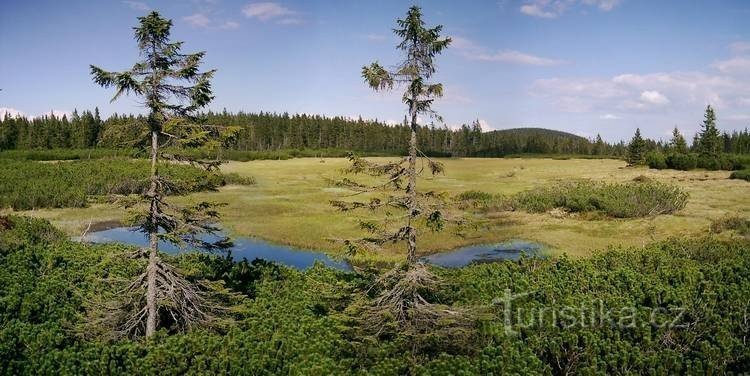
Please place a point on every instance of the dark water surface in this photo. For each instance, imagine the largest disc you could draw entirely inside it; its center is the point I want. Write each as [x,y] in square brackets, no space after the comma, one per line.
[510,250]
[250,249]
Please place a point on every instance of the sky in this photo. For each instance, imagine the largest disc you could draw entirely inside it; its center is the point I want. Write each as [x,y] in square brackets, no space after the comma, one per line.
[583,66]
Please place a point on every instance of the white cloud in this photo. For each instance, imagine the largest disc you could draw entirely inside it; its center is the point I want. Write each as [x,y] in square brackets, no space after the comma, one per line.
[266,11]
[137,5]
[737,65]
[229,25]
[675,92]
[517,57]
[197,20]
[740,47]
[203,21]
[375,37]
[654,97]
[556,8]
[609,117]
[537,10]
[473,51]
[10,111]
[486,127]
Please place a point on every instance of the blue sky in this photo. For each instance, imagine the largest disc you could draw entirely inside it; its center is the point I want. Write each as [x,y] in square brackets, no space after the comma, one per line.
[584,66]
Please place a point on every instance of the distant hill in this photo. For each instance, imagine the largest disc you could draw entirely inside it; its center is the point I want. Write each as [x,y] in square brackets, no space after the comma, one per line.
[531,141]
[536,132]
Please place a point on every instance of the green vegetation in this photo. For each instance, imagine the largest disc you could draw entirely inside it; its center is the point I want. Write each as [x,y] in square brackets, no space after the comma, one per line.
[286,321]
[636,149]
[294,197]
[731,222]
[65,154]
[29,185]
[629,200]
[742,174]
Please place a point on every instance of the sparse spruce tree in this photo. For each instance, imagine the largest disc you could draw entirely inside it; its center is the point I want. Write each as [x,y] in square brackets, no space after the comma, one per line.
[710,145]
[677,144]
[173,89]
[405,291]
[636,149]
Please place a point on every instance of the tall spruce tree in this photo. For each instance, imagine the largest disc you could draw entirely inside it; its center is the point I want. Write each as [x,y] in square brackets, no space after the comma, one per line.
[636,149]
[420,45]
[710,145]
[404,291]
[173,89]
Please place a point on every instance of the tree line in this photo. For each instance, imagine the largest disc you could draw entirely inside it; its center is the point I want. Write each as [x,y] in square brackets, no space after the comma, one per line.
[710,148]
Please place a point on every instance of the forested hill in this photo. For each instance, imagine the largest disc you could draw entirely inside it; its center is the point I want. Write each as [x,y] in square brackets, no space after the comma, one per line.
[269,132]
[536,132]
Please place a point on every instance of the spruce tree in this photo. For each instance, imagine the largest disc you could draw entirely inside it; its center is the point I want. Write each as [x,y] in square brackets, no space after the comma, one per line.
[404,291]
[173,89]
[677,144]
[636,149]
[710,145]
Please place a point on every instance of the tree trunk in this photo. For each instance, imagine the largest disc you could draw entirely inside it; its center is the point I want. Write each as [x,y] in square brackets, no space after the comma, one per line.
[411,189]
[153,240]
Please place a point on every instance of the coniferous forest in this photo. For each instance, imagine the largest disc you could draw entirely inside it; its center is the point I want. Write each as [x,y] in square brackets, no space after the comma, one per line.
[273,132]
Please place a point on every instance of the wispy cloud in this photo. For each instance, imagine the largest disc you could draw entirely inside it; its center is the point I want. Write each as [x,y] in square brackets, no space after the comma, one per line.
[204,21]
[737,65]
[609,117]
[517,57]
[268,11]
[137,5]
[740,47]
[375,37]
[197,20]
[474,51]
[556,8]
[726,87]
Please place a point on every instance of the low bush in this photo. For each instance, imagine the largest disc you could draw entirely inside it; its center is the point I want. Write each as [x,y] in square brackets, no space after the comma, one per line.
[237,179]
[731,222]
[672,307]
[684,162]
[481,200]
[66,154]
[656,160]
[628,200]
[28,185]
[742,174]
[711,163]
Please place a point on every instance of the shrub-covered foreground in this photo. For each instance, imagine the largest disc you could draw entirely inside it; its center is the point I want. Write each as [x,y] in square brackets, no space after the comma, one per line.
[30,185]
[674,307]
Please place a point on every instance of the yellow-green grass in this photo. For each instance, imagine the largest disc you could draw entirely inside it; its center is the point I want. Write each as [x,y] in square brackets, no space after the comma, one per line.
[290,205]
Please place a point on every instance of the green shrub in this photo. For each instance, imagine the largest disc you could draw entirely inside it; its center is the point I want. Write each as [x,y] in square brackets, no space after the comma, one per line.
[294,322]
[731,222]
[235,178]
[684,162]
[656,160]
[742,174]
[629,200]
[28,185]
[481,200]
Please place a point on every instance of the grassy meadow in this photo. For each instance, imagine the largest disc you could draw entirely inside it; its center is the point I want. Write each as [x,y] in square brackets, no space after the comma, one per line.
[290,204]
